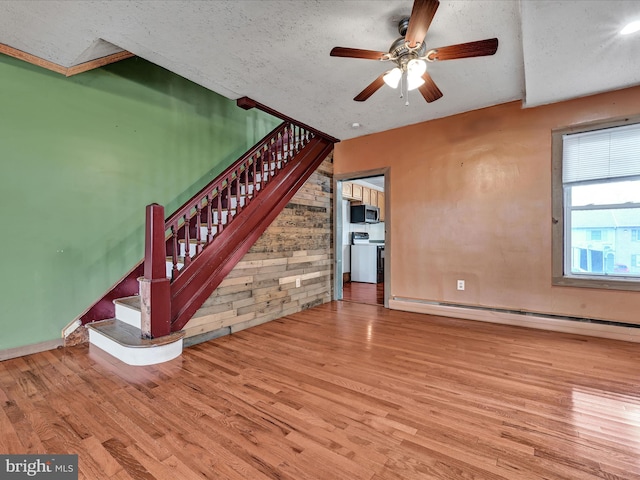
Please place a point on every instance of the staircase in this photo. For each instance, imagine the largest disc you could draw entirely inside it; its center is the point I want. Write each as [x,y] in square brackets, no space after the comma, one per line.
[188,254]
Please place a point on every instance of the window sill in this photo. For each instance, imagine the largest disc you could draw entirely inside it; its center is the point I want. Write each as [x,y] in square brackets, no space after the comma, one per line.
[606,283]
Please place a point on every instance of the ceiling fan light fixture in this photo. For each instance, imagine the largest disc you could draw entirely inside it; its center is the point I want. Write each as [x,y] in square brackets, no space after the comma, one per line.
[416,67]
[629,28]
[414,82]
[392,77]
[409,55]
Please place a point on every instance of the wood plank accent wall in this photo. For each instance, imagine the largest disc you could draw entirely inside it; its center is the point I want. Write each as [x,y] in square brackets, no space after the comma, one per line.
[262,287]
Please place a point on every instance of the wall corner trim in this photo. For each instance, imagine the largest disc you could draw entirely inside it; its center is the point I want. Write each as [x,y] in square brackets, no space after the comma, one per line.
[72,327]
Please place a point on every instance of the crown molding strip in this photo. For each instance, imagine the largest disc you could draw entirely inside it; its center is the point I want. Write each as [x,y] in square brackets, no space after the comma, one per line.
[67,72]
[27,57]
[98,62]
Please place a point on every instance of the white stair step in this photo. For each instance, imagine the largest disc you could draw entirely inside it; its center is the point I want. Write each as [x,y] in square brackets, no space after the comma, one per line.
[124,342]
[224,215]
[169,266]
[204,231]
[193,244]
[244,189]
[234,203]
[128,310]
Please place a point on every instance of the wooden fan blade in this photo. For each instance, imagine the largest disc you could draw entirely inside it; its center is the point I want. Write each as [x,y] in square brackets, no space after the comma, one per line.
[357,53]
[370,90]
[480,48]
[429,89]
[421,16]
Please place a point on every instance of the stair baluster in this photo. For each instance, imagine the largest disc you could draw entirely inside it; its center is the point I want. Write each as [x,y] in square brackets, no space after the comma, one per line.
[219,211]
[175,252]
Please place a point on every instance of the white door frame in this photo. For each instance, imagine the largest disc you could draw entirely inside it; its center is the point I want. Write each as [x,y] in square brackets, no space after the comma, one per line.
[337,228]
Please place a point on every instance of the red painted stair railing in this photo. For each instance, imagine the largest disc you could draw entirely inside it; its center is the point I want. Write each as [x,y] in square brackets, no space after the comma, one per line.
[207,237]
[188,255]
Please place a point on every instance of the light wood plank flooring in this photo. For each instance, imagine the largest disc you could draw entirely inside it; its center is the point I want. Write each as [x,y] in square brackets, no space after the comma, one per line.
[342,391]
[359,292]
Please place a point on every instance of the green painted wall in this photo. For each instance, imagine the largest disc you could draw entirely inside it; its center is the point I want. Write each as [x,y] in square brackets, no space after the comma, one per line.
[81,157]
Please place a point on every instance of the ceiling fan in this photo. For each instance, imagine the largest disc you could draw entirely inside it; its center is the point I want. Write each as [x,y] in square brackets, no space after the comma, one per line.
[410,55]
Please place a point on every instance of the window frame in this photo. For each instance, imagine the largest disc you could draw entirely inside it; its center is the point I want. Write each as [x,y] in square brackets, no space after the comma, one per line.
[558,234]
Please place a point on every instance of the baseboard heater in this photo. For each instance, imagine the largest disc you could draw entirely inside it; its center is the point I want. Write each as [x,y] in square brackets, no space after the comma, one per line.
[556,323]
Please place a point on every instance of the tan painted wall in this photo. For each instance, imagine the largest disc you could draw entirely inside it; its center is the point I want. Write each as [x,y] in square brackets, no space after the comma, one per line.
[470,199]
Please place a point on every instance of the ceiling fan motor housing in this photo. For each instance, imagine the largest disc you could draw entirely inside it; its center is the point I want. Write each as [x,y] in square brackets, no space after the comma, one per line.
[401,54]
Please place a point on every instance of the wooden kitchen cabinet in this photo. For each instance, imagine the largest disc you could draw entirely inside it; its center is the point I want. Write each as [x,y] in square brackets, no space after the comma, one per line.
[347,189]
[357,191]
[366,196]
[373,197]
[352,191]
[360,194]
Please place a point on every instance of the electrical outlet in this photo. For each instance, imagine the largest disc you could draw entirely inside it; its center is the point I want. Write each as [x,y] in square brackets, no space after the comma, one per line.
[298,282]
[460,284]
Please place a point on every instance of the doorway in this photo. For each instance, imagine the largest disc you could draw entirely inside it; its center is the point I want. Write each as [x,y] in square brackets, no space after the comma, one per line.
[358,292]
[362,267]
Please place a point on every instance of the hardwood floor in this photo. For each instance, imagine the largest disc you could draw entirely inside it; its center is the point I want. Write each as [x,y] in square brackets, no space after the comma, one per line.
[370,293]
[341,391]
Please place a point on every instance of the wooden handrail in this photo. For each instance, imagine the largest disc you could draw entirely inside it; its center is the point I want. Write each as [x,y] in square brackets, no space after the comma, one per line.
[218,204]
[225,173]
[248,103]
[200,279]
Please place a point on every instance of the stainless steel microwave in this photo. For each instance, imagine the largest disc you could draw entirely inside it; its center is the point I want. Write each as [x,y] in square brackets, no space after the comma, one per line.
[365,214]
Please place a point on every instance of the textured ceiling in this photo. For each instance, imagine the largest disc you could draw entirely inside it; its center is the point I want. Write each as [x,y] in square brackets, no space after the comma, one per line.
[277,52]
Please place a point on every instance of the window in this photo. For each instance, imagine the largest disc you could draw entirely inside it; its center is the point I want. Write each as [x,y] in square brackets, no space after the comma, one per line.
[596,235]
[596,206]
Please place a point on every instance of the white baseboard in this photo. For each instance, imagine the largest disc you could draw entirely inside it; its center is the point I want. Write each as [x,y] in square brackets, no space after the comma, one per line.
[539,321]
[29,349]
[72,327]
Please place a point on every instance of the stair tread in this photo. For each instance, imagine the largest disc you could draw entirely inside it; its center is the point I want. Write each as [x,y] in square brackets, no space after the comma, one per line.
[192,241]
[129,336]
[133,301]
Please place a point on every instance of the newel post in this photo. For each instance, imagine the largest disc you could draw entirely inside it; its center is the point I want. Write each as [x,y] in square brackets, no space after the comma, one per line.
[155,296]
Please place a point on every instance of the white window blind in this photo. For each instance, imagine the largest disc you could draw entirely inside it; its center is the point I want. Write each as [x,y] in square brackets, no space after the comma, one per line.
[601,154]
